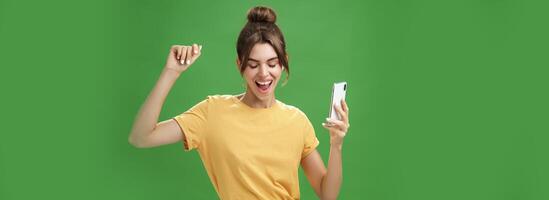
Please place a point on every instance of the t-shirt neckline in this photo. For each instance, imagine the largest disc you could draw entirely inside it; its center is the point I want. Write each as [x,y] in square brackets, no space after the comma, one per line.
[238,101]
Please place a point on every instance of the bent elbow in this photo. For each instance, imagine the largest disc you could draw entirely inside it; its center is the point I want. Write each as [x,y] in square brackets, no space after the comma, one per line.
[136,142]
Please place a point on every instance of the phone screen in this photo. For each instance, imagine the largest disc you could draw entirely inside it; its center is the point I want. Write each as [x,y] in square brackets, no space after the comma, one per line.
[338,93]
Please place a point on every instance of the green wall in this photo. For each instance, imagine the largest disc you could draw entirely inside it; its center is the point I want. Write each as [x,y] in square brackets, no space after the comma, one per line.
[448,99]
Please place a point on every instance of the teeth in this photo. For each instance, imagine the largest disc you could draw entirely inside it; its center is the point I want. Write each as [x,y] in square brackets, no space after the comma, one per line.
[264,83]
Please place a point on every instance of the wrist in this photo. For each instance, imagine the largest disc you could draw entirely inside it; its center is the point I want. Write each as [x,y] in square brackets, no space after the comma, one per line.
[336,145]
[171,72]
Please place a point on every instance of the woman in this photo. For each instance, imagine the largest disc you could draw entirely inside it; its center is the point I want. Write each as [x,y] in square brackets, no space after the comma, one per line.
[250,144]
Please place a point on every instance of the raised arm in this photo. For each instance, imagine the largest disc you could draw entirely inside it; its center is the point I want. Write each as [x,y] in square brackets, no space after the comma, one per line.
[327,182]
[146,131]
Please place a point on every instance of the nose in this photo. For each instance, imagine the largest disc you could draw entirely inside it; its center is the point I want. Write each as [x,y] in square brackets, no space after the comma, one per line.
[263,71]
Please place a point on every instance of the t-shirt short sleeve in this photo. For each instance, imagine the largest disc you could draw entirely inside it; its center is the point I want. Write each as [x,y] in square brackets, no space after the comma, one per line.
[310,142]
[193,124]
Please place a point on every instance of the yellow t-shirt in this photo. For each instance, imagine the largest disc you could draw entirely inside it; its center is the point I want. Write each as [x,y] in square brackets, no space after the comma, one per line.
[249,153]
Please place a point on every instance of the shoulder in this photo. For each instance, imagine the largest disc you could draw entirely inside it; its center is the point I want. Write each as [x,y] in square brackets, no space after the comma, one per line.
[298,117]
[212,101]
[219,98]
[292,110]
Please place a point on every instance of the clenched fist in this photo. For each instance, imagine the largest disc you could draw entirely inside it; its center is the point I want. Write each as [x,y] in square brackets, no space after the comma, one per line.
[181,57]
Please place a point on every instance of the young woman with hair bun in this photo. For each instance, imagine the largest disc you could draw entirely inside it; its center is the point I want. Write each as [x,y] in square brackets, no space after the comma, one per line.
[251,144]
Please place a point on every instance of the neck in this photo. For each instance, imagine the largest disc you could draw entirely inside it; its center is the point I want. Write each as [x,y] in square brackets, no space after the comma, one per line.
[251,100]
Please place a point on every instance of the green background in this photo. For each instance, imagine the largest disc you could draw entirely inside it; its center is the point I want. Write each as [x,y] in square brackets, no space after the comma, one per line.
[448,99]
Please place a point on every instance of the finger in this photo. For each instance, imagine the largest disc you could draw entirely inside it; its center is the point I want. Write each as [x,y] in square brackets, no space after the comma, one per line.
[179,53]
[177,50]
[342,114]
[339,112]
[327,125]
[330,128]
[195,52]
[345,107]
[189,55]
[183,55]
[337,124]
[195,49]
[199,52]
[173,51]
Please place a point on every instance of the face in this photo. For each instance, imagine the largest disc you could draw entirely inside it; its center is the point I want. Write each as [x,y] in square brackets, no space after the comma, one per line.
[262,71]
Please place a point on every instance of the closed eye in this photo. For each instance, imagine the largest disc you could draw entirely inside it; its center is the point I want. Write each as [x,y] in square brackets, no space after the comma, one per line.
[253,66]
[273,64]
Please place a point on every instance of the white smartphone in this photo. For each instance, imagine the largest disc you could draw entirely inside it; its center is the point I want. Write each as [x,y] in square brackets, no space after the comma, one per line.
[338,93]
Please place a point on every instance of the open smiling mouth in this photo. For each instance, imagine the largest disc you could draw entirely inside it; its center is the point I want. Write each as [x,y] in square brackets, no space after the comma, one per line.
[264,85]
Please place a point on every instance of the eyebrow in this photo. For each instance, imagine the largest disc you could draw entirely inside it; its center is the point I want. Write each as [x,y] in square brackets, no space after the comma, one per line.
[270,59]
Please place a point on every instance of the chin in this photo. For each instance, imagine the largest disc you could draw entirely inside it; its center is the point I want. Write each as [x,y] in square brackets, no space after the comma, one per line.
[262,96]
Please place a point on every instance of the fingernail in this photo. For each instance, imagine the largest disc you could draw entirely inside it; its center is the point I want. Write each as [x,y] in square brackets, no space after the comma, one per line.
[188,62]
[195,51]
[182,62]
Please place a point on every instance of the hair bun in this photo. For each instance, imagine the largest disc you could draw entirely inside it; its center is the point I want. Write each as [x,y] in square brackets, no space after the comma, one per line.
[261,14]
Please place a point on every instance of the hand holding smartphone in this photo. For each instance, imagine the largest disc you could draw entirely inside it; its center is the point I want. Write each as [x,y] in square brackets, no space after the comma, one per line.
[339,91]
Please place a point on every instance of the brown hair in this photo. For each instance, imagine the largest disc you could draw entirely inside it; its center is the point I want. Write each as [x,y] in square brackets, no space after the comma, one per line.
[261,28]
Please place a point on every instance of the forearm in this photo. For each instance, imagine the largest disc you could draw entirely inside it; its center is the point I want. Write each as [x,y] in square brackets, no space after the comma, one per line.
[148,114]
[331,182]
